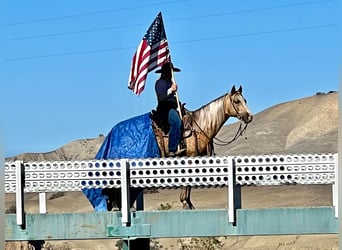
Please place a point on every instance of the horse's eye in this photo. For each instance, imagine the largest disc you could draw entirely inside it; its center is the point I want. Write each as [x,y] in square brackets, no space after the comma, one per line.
[237,101]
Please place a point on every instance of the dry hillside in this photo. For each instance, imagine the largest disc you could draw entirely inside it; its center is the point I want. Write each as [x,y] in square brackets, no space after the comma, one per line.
[301,126]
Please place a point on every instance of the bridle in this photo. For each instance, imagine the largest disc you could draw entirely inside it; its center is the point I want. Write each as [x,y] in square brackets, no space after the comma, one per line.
[233,103]
[241,130]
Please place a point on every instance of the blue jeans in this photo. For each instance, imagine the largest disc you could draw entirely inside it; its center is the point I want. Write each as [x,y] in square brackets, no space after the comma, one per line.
[175,130]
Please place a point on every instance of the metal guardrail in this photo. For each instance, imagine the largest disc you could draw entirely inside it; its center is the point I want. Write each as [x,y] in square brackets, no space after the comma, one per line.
[231,171]
[261,170]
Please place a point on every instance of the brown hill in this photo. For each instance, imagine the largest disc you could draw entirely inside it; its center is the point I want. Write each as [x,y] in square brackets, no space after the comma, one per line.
[83,149]
[301,126]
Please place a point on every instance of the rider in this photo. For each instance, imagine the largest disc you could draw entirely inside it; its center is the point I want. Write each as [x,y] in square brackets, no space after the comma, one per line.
[167,106]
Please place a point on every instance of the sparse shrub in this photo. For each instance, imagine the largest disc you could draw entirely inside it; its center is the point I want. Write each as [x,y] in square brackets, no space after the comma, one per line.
[119,244]
[286,244]
[155,245]
[48,246]
[201,243]
[151,191]
[11,210]
[56,195]
[167,206]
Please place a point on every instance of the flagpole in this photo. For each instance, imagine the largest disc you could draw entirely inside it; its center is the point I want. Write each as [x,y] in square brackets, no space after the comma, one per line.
[173,80]
[176,92]
[176,95]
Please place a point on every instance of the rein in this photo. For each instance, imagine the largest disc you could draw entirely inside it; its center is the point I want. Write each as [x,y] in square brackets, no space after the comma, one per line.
[239,132]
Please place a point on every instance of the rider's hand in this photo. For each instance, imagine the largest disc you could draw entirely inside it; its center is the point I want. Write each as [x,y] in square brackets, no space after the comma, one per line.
[174,87]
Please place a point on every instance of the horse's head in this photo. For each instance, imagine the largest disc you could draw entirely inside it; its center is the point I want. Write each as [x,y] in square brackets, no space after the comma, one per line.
[238,107]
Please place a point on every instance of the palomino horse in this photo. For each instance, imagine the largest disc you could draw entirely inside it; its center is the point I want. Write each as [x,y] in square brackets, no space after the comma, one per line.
[205,123]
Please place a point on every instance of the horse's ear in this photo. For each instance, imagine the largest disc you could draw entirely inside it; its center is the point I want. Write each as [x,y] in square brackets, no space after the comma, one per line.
[240,89]
[233,90]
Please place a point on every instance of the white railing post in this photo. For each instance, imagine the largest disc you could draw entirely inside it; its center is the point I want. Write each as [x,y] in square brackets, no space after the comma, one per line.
[42,203]
[335,187]
[231,217]
[20,183]
[234,191]
[125,194]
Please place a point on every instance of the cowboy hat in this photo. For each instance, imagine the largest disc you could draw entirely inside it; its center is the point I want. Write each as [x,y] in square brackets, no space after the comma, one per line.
[167,68]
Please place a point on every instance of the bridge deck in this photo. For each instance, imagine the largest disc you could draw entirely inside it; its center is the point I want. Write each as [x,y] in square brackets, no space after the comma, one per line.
[181,223]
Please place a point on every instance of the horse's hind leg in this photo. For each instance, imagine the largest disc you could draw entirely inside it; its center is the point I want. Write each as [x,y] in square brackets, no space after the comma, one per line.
[185,198]
[114,198]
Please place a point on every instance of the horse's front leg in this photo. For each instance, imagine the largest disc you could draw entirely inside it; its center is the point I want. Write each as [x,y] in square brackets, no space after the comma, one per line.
[185,198]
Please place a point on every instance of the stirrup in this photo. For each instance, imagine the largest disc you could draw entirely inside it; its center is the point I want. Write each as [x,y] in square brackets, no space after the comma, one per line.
[177,153]
[187,133]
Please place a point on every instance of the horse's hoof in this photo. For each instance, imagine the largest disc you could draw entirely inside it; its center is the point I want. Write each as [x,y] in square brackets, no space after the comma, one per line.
[188,206]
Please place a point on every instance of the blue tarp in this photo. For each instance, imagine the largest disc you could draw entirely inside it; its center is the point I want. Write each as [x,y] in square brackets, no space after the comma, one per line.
[132,138]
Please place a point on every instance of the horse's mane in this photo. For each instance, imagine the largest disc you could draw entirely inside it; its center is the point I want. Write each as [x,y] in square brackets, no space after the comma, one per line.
[208,107]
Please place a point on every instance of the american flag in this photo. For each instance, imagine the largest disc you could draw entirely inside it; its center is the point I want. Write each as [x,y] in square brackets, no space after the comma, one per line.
[152,52]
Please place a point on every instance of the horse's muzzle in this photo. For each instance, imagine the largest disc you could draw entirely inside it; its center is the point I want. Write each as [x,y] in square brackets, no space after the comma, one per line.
[247,118]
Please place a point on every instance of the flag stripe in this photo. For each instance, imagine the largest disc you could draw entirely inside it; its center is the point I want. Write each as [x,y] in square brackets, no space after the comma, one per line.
[151,53]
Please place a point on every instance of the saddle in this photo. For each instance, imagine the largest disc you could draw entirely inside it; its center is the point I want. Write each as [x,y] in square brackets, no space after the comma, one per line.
[161,128]
[163,124]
